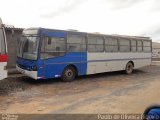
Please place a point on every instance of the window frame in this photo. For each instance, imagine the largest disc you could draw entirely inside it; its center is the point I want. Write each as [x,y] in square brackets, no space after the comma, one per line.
[127,39]
[133,45]
[140,46]
[116,38]
[40,47]
[78,34]
[147,46]
[100,36]
[4,42]
[20,46]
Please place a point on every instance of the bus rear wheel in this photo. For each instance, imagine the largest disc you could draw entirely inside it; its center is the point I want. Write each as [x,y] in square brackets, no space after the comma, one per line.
[68,74]
[129,68]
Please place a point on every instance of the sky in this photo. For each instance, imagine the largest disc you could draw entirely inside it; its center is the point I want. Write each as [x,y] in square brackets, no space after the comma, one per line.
[124,17]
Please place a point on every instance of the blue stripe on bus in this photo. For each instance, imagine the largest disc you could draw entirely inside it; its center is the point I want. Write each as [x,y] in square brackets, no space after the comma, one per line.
[97,61]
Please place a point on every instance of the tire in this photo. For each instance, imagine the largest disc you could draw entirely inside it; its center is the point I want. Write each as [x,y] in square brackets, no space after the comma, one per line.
[68,74]
[129,68]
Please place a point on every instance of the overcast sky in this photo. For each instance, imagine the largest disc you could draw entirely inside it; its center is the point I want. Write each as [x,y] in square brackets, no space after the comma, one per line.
[127,17]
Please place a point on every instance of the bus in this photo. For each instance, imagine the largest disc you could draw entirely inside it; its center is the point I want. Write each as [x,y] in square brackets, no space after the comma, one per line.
[50,53]
[3,52]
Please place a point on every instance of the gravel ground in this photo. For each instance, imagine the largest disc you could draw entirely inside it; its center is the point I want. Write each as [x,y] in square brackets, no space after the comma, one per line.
[12,85]
[101,93]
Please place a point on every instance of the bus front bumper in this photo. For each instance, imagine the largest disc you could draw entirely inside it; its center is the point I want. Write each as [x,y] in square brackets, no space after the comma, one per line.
[32,74]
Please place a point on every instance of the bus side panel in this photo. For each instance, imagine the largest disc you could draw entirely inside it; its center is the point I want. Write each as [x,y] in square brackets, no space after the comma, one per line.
[105,62]
[54,67]
[40,69]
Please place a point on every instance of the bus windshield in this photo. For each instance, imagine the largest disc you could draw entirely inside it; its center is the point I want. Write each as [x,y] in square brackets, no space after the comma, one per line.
[2,42]
[28,47]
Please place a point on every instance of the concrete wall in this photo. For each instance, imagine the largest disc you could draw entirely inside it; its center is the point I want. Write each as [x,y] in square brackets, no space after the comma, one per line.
[12,35]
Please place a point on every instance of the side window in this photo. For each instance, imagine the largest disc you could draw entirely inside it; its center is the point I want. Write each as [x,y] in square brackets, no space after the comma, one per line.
[133,45]
[124,45]
[146,46]
[111,44]
[52,47]
[139,46]
[76,43]
[95,44]
[2,42]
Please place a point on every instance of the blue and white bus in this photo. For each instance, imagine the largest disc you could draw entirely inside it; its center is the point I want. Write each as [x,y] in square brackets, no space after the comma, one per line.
[49,53]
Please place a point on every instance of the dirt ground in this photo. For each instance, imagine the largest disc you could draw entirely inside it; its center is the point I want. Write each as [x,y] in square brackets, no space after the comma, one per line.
[113,92]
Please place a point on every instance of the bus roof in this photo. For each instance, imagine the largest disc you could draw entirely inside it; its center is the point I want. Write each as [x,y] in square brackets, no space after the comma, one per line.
[87,33]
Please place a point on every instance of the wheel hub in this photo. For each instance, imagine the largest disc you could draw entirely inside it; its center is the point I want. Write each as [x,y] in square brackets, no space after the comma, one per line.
[69,73]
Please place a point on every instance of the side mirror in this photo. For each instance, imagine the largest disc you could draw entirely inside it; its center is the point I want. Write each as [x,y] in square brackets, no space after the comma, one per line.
[152,113]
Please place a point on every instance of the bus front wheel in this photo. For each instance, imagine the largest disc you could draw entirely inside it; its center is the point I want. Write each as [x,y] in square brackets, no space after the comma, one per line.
[68,74]
[129,68]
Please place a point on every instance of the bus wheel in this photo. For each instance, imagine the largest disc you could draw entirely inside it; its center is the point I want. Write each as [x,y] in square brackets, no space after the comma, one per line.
[68,74]
[129,68]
